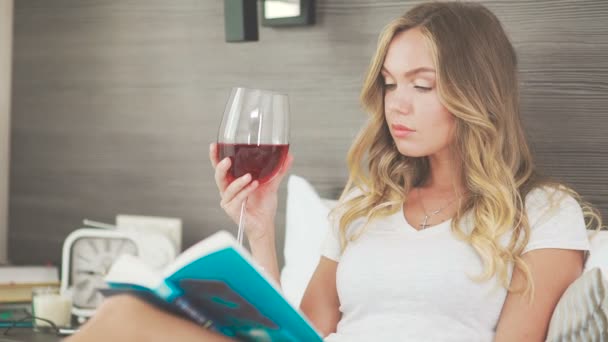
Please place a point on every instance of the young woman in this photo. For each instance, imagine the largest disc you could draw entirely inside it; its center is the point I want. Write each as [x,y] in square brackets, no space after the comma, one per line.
[445,231]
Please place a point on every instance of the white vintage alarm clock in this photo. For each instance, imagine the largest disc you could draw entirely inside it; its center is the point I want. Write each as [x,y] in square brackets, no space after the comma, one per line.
[87,256]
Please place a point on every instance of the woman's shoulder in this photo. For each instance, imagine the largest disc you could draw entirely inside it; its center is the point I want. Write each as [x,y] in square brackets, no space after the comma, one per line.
[556,219]
[550,195]
[546,202]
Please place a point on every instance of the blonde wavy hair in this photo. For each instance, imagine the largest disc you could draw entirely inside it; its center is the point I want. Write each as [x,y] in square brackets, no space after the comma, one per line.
[477,81]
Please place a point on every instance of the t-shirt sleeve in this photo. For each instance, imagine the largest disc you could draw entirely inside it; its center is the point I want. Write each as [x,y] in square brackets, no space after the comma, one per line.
[331,245]
[556,221]
[330,248]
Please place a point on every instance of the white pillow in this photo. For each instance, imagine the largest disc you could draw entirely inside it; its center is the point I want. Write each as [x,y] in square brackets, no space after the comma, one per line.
[306,226]
[598,255]
[582,312]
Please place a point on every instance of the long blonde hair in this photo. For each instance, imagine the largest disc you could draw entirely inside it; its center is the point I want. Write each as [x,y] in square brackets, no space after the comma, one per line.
[477,82]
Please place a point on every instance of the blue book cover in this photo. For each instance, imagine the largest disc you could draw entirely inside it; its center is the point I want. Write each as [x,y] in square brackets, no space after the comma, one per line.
[216,284]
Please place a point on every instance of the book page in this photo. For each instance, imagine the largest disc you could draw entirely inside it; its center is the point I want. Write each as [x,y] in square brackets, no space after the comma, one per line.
[129,269]
[209,245]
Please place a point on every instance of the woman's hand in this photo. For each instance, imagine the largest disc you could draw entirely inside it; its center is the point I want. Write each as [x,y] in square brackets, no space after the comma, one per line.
[261,207]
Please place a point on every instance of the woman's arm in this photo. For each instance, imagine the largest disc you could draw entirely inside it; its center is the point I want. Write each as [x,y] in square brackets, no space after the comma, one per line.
[553,270]
[260,209]
[320,302]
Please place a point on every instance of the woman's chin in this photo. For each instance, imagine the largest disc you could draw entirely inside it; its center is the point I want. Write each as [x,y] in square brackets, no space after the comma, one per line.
[410,152]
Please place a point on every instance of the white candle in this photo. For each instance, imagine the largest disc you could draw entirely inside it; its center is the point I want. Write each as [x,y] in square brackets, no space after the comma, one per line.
[47,303]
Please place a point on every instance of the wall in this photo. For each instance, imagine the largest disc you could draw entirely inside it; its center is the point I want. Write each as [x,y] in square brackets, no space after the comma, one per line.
[6,43]
[115,103]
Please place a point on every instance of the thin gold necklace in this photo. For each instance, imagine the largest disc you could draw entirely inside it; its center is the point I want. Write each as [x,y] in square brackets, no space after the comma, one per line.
[424,224]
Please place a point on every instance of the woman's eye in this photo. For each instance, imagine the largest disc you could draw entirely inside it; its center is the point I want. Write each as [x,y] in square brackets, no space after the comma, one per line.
[423,89]
[390,86]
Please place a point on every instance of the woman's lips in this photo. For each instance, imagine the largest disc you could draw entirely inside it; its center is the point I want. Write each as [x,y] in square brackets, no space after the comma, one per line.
[401,131]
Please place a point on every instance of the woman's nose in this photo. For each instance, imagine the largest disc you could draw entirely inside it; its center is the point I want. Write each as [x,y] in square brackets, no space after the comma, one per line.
[399,101]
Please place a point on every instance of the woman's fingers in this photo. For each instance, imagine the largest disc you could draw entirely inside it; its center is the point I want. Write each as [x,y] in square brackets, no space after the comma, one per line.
[238,190]
[221,169]
[213,154]
[242,195]
[233,188]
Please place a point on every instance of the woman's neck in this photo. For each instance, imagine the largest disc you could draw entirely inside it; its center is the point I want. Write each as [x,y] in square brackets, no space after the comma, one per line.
[445,175]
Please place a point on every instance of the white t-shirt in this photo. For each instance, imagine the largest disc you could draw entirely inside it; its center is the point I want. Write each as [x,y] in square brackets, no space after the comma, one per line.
[396,283]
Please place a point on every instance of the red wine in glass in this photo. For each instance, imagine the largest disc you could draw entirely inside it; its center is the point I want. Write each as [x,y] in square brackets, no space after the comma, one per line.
[261,161]
[254,133]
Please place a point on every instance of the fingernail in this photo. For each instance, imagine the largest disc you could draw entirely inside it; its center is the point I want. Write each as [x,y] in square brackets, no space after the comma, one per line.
[224,161]
[210,146]
[247,176]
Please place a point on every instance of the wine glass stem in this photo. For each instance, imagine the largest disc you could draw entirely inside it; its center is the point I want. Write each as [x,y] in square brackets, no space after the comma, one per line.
[239,237]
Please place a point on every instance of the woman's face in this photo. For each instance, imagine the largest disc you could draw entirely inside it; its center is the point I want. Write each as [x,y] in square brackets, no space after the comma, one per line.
[419,124]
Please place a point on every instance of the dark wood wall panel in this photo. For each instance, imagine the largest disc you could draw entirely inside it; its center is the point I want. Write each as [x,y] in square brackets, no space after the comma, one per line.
[115,102]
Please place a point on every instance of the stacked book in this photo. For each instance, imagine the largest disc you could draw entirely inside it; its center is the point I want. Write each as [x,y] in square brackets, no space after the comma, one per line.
[16,285]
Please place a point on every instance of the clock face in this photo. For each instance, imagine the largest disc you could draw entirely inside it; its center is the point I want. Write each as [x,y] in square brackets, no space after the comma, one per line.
[91,259]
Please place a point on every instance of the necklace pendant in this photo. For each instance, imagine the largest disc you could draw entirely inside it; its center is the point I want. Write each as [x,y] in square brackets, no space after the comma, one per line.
[424,224]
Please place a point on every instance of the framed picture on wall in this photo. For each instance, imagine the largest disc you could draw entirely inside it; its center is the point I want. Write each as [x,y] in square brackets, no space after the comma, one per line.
[288,12]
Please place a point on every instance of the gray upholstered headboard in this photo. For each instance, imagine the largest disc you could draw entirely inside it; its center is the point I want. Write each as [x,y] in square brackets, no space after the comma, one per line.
[114,103]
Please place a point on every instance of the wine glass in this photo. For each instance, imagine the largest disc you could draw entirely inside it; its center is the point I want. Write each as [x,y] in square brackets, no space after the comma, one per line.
[255,135]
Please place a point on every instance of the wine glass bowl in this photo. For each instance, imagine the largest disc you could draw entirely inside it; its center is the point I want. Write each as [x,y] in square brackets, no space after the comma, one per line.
[254,134]
[262,162]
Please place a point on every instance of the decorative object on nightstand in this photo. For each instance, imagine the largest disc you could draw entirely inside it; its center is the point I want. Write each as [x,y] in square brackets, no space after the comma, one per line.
[88,254]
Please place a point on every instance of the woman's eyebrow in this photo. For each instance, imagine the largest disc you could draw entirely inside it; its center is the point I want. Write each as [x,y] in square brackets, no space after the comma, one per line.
[412,71]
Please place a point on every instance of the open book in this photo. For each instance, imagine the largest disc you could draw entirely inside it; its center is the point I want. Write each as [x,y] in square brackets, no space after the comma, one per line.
[216,284]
